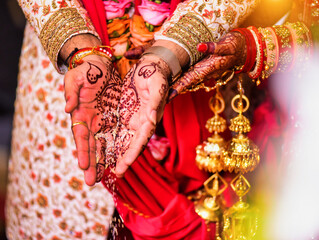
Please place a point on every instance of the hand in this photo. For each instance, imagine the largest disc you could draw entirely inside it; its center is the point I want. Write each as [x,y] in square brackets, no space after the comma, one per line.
[92,92]
[135,53]
[141,106]
[223,55]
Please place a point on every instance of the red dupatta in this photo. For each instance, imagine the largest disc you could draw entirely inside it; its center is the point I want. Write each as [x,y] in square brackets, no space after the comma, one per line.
[151,198]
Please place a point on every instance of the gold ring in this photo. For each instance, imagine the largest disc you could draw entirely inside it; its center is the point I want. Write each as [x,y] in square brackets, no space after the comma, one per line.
[198,75]
[79,123]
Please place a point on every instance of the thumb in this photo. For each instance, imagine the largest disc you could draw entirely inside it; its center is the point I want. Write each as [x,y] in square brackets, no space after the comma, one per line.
[72,90]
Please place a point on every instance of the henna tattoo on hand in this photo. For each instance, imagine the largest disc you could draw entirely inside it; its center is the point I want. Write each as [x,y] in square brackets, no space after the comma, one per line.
[107,100]
[163,93]
[147,70]
[94,73]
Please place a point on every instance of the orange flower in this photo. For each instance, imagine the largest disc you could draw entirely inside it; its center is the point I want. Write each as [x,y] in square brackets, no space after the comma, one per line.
[120,45]
[139,31]
[118,26]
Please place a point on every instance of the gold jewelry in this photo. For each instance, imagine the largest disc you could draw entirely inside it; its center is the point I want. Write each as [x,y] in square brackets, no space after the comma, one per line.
[79,123]
[220,82]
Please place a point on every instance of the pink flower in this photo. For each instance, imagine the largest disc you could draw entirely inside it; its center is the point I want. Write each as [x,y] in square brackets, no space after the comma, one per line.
[114,9]
[154,13]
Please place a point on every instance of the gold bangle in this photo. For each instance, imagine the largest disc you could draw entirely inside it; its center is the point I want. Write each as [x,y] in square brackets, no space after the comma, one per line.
[76,59]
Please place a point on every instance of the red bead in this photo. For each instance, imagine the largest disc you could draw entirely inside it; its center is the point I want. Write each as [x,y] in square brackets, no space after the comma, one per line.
[202,47]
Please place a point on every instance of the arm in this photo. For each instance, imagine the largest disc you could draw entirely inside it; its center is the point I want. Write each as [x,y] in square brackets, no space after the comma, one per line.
[63,26]
[180,35]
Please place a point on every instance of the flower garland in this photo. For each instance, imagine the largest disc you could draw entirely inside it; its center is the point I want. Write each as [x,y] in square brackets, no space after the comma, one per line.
[127,29]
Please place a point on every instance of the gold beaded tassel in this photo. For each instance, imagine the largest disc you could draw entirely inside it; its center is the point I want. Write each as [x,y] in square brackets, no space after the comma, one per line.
[241,156]
[209,156]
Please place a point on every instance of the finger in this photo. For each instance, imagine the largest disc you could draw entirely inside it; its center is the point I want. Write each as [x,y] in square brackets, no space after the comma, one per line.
[81,136]
[225,46]
[90,173]
[101,158]
[137,145]
[72,86]
[135,53]
[202,71]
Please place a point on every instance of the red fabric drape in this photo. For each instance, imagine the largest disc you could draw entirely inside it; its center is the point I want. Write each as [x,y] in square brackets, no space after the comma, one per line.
[151,198]
[95,9]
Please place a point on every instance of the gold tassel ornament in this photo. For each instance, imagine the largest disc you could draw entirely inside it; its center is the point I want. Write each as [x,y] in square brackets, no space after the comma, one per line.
[241,156]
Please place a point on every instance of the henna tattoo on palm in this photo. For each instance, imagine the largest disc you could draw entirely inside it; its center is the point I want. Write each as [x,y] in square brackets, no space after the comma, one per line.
[107,99]
[147,70]
[94,73]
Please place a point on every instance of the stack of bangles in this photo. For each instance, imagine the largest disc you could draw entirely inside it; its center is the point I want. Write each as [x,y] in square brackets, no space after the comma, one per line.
[274,49]
[76,56]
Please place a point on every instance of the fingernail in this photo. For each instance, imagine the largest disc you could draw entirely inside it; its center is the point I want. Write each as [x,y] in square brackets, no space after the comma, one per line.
[172,94]
[153,117]
[202,47]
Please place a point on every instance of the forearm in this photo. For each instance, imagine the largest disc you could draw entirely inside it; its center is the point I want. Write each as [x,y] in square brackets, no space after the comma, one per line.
[199,21]
[55,23]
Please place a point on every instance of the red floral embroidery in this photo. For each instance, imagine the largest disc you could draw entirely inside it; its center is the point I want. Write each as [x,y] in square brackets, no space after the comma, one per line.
[40,147]
[26,154]
[49,77]
[46,182]
[49,116]
[33,176]
[39,236]
[41,94]
[42,200]
[99,229]
[88,204]
[55,238]
[57,212]
[45,63]
[69,196]
[59,141]
[78,234]
[76,184]
[62,4]
[35,8]
[208,14]
[63,225]
[61,88]
[56,178]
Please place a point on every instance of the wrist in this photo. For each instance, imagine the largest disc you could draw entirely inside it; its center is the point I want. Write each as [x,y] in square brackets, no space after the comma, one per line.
[77,42]
[101,51]
[160,63]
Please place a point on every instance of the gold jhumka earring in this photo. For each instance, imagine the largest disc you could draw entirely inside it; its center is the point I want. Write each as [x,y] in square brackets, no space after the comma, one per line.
[241,156]
[209,158]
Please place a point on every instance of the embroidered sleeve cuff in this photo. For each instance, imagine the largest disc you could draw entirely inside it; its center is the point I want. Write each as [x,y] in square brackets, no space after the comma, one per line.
[61,26]
[188,32]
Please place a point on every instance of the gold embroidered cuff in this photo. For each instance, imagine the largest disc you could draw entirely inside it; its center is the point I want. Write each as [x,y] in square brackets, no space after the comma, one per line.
[61,26]
[190,31]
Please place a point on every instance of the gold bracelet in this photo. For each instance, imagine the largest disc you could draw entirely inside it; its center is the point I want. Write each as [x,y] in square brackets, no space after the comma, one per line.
[102,51]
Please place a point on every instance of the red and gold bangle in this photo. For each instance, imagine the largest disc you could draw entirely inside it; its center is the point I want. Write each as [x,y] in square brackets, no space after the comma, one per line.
[300,41]
[77,58]
[250,50]
[286,48]
[256,72]
[272,48]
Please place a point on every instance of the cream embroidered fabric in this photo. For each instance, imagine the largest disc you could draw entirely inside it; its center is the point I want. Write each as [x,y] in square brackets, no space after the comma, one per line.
[47,197]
